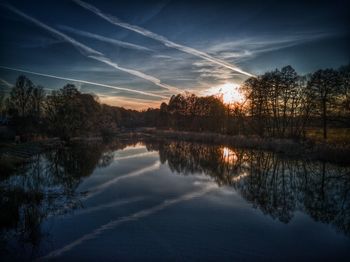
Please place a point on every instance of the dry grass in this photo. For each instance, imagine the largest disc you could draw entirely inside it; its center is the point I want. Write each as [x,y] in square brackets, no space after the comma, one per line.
[312,149]
[339,136]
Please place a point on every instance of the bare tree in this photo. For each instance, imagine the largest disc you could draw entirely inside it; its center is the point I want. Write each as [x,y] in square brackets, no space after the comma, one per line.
[324,87]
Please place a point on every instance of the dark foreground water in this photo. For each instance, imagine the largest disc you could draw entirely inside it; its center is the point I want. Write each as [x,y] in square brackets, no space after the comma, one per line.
[166,201]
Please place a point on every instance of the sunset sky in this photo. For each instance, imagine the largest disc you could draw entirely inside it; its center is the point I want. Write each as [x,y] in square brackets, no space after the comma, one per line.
[138,53]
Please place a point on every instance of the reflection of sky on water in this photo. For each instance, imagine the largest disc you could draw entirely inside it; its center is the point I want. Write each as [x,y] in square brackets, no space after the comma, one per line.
[148,205]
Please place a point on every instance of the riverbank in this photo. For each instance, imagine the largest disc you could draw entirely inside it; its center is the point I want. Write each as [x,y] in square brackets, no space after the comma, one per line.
[13,155]
[308,149]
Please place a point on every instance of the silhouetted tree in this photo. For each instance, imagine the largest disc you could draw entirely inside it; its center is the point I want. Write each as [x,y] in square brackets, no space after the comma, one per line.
[344,72]
[19,101]
[279,103]
[2,102]
[324,87]
[25,104]
[70,113]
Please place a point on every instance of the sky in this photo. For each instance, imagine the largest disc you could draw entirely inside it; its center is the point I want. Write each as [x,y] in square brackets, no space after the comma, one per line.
[137,54]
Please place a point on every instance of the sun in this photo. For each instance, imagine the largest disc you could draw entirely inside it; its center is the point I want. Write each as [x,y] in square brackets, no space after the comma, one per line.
[229,92]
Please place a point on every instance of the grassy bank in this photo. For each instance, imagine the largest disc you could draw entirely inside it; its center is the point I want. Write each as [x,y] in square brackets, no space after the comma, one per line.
[13,155]
[310,149]
[336,135]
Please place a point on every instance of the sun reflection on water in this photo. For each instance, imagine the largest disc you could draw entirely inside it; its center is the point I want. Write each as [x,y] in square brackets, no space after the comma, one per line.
[229,155]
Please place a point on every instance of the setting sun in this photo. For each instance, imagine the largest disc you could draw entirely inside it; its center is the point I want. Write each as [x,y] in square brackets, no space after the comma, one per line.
[229,92]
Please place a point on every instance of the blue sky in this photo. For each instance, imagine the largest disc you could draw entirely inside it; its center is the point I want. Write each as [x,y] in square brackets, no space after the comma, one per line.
[138,53]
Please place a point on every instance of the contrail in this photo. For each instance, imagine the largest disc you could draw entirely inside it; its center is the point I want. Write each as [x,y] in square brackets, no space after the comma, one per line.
[85,50]
[135,216]
[106,39]
[84,82]
[5,82]
[89,52]
[152,79]
[162,39]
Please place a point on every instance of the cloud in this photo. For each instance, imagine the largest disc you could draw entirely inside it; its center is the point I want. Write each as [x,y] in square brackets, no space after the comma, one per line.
[250,47]
[91,53]
[162,39]
[166,57]
[105,39]
[247,48]
[134,104]
[84,82]
[213,74]
[152,79]
[85,50]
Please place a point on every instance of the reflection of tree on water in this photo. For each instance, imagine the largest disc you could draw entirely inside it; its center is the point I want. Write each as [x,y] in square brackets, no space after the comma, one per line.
[189,158]
[278,186]
[45,186]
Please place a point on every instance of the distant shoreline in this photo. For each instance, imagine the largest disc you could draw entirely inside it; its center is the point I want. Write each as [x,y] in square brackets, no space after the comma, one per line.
[293,148]
[306,149]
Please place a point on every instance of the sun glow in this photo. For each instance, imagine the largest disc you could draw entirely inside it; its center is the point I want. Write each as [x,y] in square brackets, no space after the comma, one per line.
[228,92]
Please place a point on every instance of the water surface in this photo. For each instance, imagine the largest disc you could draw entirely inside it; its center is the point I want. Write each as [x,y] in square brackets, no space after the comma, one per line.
[168,200]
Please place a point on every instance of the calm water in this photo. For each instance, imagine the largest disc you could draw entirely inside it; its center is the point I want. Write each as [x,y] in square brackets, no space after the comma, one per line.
[181,201]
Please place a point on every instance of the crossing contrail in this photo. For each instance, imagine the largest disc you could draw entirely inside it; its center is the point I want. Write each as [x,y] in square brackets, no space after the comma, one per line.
[150,78]
[89,52]
[115,21]
[84,82]
[105,39]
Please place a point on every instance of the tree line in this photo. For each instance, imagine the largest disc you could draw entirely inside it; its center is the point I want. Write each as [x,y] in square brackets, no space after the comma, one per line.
[279,103]
[282,103]
[64,113]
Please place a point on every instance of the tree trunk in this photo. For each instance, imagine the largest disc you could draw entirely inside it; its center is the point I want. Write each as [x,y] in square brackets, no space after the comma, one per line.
[324,116]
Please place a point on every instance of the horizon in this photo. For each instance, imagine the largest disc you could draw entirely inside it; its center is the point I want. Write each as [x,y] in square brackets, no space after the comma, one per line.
[137,55]
[173,130]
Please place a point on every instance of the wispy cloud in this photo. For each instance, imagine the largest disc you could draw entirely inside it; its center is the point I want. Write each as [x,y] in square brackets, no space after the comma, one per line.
[250,47]
[134,104]
[91,53]
[85,50]
[162,39]
[150,78]
[105,39]
[84,82]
